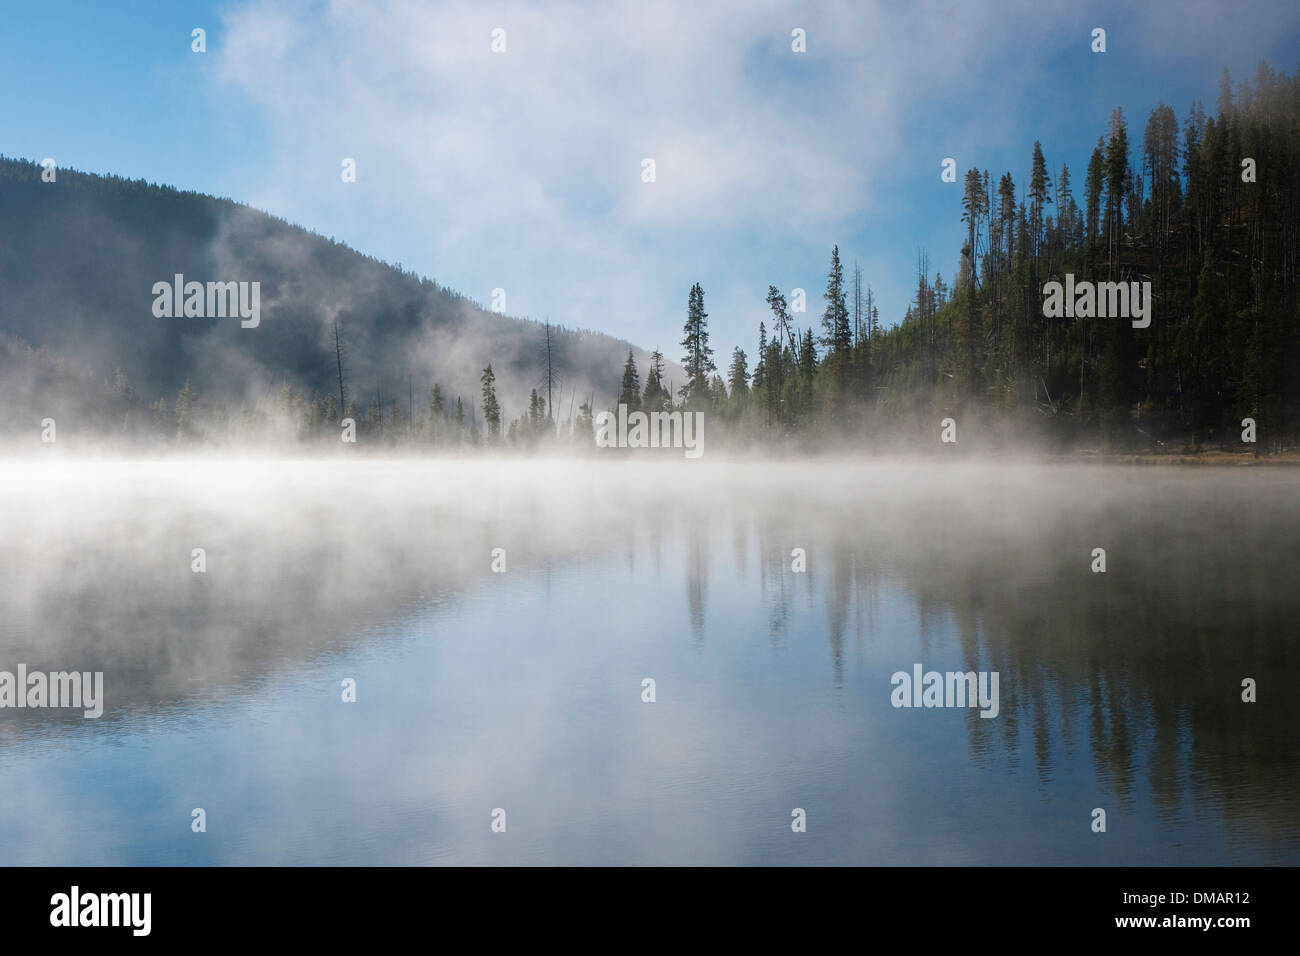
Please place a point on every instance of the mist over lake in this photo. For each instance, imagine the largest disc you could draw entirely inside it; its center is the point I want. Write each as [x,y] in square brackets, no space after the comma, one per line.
[521,689]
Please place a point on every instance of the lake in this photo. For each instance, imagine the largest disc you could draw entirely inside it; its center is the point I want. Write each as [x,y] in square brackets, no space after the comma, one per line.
[521,688]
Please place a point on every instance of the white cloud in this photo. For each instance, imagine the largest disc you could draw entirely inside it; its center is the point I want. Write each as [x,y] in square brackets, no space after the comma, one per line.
[522,169]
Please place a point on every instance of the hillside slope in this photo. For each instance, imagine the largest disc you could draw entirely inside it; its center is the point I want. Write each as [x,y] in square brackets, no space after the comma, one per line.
[79,258]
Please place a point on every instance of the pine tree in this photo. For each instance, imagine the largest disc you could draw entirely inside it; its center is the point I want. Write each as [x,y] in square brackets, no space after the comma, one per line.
[437,417]
[491,407]
[760,370]
[838,334]
[629,392]
[698,360]
[1067,213]
[974,204]
[655,397]
[1160,150]
[807,371]
[1093,185]
[779,361]
[538,419]
[1117,176]
[738,375]
[1039,197]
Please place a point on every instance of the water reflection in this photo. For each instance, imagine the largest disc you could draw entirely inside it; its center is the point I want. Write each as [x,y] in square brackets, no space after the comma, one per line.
[522,690]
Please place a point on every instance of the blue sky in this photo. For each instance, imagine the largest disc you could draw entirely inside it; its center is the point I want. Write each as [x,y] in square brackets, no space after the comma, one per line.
[522,170]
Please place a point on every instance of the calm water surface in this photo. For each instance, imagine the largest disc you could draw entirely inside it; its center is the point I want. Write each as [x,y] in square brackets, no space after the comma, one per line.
[522,690]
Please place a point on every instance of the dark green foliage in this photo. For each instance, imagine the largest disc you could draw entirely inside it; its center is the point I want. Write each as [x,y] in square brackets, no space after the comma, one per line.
[491,407]
[698,360]
[629,392]
[1221,255]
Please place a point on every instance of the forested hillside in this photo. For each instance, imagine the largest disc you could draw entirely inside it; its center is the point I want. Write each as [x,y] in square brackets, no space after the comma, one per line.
[79,340]
[1207,210]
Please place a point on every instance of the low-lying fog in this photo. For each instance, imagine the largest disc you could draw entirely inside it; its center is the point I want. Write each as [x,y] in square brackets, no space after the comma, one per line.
[513,679]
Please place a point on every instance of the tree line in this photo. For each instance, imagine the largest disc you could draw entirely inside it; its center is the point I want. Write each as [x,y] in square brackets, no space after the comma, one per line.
[1208,211]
